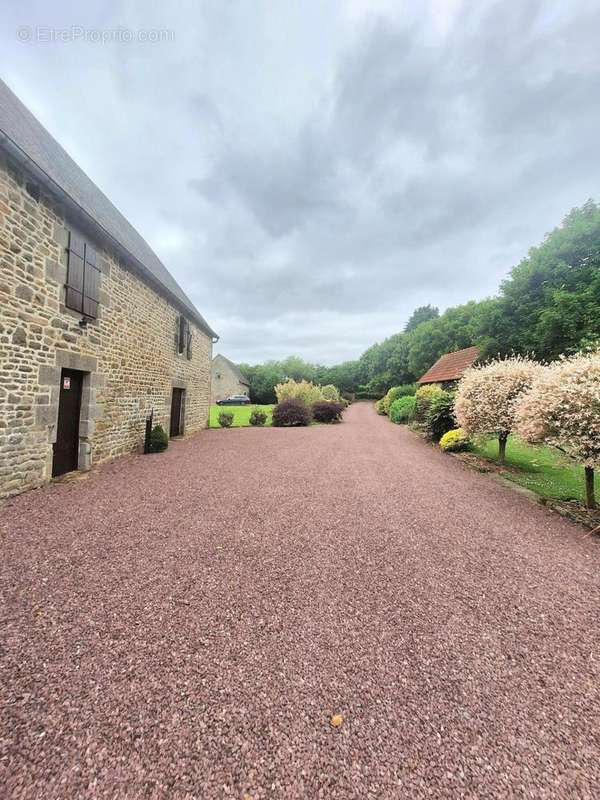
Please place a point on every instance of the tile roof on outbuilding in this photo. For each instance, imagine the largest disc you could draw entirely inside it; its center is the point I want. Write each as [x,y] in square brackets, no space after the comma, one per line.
[450,367]
[26,139]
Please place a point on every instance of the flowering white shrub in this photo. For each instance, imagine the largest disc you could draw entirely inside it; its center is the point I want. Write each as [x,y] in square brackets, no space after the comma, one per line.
[562,409]
[488,395]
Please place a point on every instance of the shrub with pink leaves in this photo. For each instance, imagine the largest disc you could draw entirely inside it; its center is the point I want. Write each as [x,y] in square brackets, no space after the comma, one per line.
[488,395]
[562,409]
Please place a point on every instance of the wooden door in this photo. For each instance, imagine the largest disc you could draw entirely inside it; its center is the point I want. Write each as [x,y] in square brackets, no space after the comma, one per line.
[66,447]
[177,403]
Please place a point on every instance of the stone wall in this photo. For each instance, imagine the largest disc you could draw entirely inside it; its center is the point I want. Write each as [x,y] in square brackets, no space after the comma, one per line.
[129,354]
[224,381]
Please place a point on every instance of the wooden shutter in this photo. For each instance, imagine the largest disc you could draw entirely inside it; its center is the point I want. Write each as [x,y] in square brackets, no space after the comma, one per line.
[75,270]
[91,283]
[83,277]
[189,342]
[181,338]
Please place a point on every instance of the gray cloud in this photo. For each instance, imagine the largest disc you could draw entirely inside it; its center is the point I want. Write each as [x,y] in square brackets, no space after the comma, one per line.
[312,175]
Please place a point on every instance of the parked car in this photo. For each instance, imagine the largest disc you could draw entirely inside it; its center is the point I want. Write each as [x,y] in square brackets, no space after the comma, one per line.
[234,400]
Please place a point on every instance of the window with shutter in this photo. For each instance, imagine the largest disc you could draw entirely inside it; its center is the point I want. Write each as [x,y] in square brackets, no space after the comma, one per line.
[83,277]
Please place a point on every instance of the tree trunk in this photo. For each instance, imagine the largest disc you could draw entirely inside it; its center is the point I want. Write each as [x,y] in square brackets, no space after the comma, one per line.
[502,447]
[590,500]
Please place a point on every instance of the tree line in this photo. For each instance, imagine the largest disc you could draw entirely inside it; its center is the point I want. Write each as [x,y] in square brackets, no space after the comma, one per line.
[547,306]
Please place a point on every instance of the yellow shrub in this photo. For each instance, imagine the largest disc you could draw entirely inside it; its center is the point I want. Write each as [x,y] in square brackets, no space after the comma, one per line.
[380,406]
[305,391]
[330,393]
[454,441]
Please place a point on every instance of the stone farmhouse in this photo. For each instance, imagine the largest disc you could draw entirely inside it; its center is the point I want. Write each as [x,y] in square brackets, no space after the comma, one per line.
[226,379]
[95,334]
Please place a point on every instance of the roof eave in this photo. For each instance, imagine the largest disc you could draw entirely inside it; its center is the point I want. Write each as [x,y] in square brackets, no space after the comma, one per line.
[79,213]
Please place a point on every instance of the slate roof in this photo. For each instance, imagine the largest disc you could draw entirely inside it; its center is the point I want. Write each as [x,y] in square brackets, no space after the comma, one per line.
[234,368]
[451,366]
[31,142]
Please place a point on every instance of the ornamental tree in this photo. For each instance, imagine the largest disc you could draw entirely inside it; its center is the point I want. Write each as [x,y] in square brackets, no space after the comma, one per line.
[562,409]
[488,395]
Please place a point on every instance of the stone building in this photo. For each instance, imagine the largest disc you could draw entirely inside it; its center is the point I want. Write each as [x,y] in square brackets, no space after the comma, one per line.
[226,379]
[95,334]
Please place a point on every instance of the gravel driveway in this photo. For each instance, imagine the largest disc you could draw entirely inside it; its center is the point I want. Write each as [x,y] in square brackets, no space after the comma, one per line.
[185,625]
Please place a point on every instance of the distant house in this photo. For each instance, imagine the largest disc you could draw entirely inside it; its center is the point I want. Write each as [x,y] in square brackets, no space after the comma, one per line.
[226,379]
[449,369]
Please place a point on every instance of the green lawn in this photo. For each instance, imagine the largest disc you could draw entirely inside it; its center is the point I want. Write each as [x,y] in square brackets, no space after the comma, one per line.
[542,469]
[241,415]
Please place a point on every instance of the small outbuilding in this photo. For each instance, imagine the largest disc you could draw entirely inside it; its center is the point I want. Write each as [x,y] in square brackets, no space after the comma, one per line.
[226,379]
[449,368]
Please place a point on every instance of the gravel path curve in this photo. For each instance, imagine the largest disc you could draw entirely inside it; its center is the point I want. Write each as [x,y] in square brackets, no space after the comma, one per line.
[185,625]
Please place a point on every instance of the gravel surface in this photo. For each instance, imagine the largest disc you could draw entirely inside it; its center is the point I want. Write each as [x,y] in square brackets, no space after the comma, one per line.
[194,624]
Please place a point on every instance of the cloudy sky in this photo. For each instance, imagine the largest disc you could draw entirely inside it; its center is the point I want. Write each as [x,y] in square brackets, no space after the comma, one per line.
[312,171]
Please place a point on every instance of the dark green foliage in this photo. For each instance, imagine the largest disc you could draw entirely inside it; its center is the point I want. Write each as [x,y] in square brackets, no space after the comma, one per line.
[258,417]
[440,418]
[264,377]
[291,412]
[226,419]
[407,389]
[402,410]
[551,300]
[159,440]
[367,393]
[419,315]
[327,411]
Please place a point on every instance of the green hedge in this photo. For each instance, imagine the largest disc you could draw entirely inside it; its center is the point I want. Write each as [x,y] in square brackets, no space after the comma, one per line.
[402,410]
[405,390]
